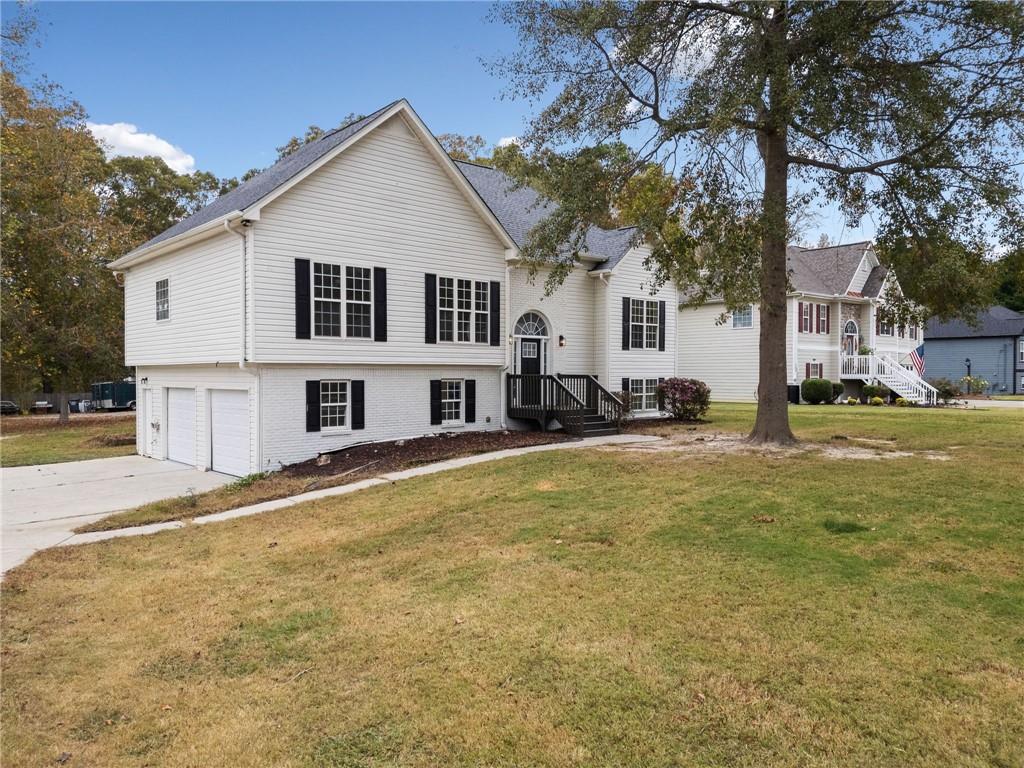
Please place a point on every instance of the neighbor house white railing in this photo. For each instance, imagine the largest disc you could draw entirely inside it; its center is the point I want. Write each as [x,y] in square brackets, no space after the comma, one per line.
[903,382]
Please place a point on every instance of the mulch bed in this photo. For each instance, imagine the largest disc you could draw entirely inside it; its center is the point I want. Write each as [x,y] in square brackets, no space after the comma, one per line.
[373,459]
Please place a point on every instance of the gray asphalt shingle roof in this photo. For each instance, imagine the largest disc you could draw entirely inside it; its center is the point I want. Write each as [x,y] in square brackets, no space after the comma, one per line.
[994,321]
[258,187]
[519,209]
[824,270]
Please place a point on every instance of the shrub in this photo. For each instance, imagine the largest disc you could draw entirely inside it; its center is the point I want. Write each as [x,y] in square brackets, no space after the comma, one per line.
[973,385]
[627,408]
[852,401]
[837,390]
[871,391]
[877,401]
[902,402]
[816,391]
[685,399]
[947,390]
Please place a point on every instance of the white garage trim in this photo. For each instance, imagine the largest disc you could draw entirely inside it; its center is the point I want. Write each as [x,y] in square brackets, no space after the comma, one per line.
[181,425]
[229,431]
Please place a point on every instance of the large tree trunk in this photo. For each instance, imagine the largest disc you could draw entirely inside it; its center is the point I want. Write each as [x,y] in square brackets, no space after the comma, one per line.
[772,423]
[63,414]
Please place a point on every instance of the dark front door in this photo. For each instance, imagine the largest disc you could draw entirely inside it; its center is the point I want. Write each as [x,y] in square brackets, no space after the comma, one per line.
[529,356]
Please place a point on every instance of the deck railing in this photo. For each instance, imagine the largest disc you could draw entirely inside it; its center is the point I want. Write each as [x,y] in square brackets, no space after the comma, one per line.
[542,396]
[888,371]
[597,399]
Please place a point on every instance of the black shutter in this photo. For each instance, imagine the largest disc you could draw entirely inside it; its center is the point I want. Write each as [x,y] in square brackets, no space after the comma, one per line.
[358,404]
[661,394]
[435,401]
[430,309]
[470,401]
[302,312]
[495,321]
[661,326]
[380,304]
[312,405]
[625,322]
[625,385]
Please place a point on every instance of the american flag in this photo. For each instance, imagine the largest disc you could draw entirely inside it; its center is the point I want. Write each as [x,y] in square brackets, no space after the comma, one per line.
[917,360]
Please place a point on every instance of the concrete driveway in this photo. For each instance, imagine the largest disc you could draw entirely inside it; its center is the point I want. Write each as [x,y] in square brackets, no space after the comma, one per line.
[42,504]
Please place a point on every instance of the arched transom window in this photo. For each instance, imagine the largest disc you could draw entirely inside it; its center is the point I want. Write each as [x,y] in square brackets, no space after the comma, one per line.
[850,328]
[531,324]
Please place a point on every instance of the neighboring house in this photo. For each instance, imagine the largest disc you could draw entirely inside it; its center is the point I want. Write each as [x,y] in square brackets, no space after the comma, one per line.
[367,287]
[833,315]
[993,342]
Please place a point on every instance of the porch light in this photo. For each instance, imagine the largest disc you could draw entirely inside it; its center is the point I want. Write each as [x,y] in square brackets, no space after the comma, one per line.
[561,341]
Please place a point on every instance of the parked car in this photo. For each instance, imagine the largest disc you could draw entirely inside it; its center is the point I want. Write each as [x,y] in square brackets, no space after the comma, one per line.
[9,408]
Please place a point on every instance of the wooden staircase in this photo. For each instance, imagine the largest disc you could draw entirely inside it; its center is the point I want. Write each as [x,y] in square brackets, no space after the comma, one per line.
[576,401]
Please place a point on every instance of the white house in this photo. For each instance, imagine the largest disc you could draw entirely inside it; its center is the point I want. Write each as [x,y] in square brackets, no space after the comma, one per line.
[833,312]
[368,288]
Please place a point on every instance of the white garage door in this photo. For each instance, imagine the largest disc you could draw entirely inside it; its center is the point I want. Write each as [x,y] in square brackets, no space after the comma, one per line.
[181,425]
[229,423]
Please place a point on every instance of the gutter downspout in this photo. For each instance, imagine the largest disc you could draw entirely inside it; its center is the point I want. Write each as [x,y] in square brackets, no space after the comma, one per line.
[603,277]
[508,354]
[244,292]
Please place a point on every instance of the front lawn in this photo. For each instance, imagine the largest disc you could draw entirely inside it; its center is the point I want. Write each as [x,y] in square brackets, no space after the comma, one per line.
[573,608]
[41,440]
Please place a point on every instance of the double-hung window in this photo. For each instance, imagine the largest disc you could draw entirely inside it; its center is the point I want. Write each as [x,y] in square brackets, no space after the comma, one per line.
[805,320]
[814,370]
[481,313]
[743,318]
[885,328]
[358,310]
[913,332]
[334,287]
[643,324]
[333,404]
[1020,350]
[643,394]
[451,401]
[822,318]
[326,299]
[163,299]
[463,310]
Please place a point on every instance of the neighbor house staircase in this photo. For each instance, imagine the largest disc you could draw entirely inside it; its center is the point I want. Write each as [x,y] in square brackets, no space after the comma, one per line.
[884,369]
[577,402]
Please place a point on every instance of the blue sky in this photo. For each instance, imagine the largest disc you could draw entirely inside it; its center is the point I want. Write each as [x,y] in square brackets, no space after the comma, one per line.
[226,83]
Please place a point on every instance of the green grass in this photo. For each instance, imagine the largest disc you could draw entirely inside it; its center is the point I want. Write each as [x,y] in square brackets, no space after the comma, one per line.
[573,608]
[39,440]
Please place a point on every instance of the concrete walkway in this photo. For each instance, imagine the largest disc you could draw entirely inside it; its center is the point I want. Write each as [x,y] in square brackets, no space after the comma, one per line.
[1011,404]
[340,490]
[42,505]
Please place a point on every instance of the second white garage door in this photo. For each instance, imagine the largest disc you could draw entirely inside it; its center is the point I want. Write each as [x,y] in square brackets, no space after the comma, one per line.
[229,427]
[181,425]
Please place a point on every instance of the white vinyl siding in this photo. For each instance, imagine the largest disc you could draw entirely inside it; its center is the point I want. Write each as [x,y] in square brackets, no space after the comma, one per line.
[631,279]
[205,325]
[717,355]
[383,202]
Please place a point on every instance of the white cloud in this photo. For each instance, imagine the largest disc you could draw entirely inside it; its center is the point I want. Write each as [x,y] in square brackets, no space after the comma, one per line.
[505,141]
[124,139]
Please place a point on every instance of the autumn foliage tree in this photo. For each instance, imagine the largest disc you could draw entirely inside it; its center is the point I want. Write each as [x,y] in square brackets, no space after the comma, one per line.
[910,112]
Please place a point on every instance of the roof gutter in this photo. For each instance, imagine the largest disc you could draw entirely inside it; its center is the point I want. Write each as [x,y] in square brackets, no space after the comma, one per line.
[140,255]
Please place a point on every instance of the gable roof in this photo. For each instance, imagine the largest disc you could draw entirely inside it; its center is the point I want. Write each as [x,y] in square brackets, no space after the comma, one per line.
[994,321]
[304,160]
[520,208]
[828,270]
[259,186]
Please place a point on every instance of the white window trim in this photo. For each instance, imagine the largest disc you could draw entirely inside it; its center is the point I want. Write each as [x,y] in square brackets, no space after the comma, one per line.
[157,307]
[820,368]
[347,426]
[807,319]
[750,309]
[343,301]
[462,403]
[632,394]
[473,311]
[645,325]
[821,320]
[1020,350]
